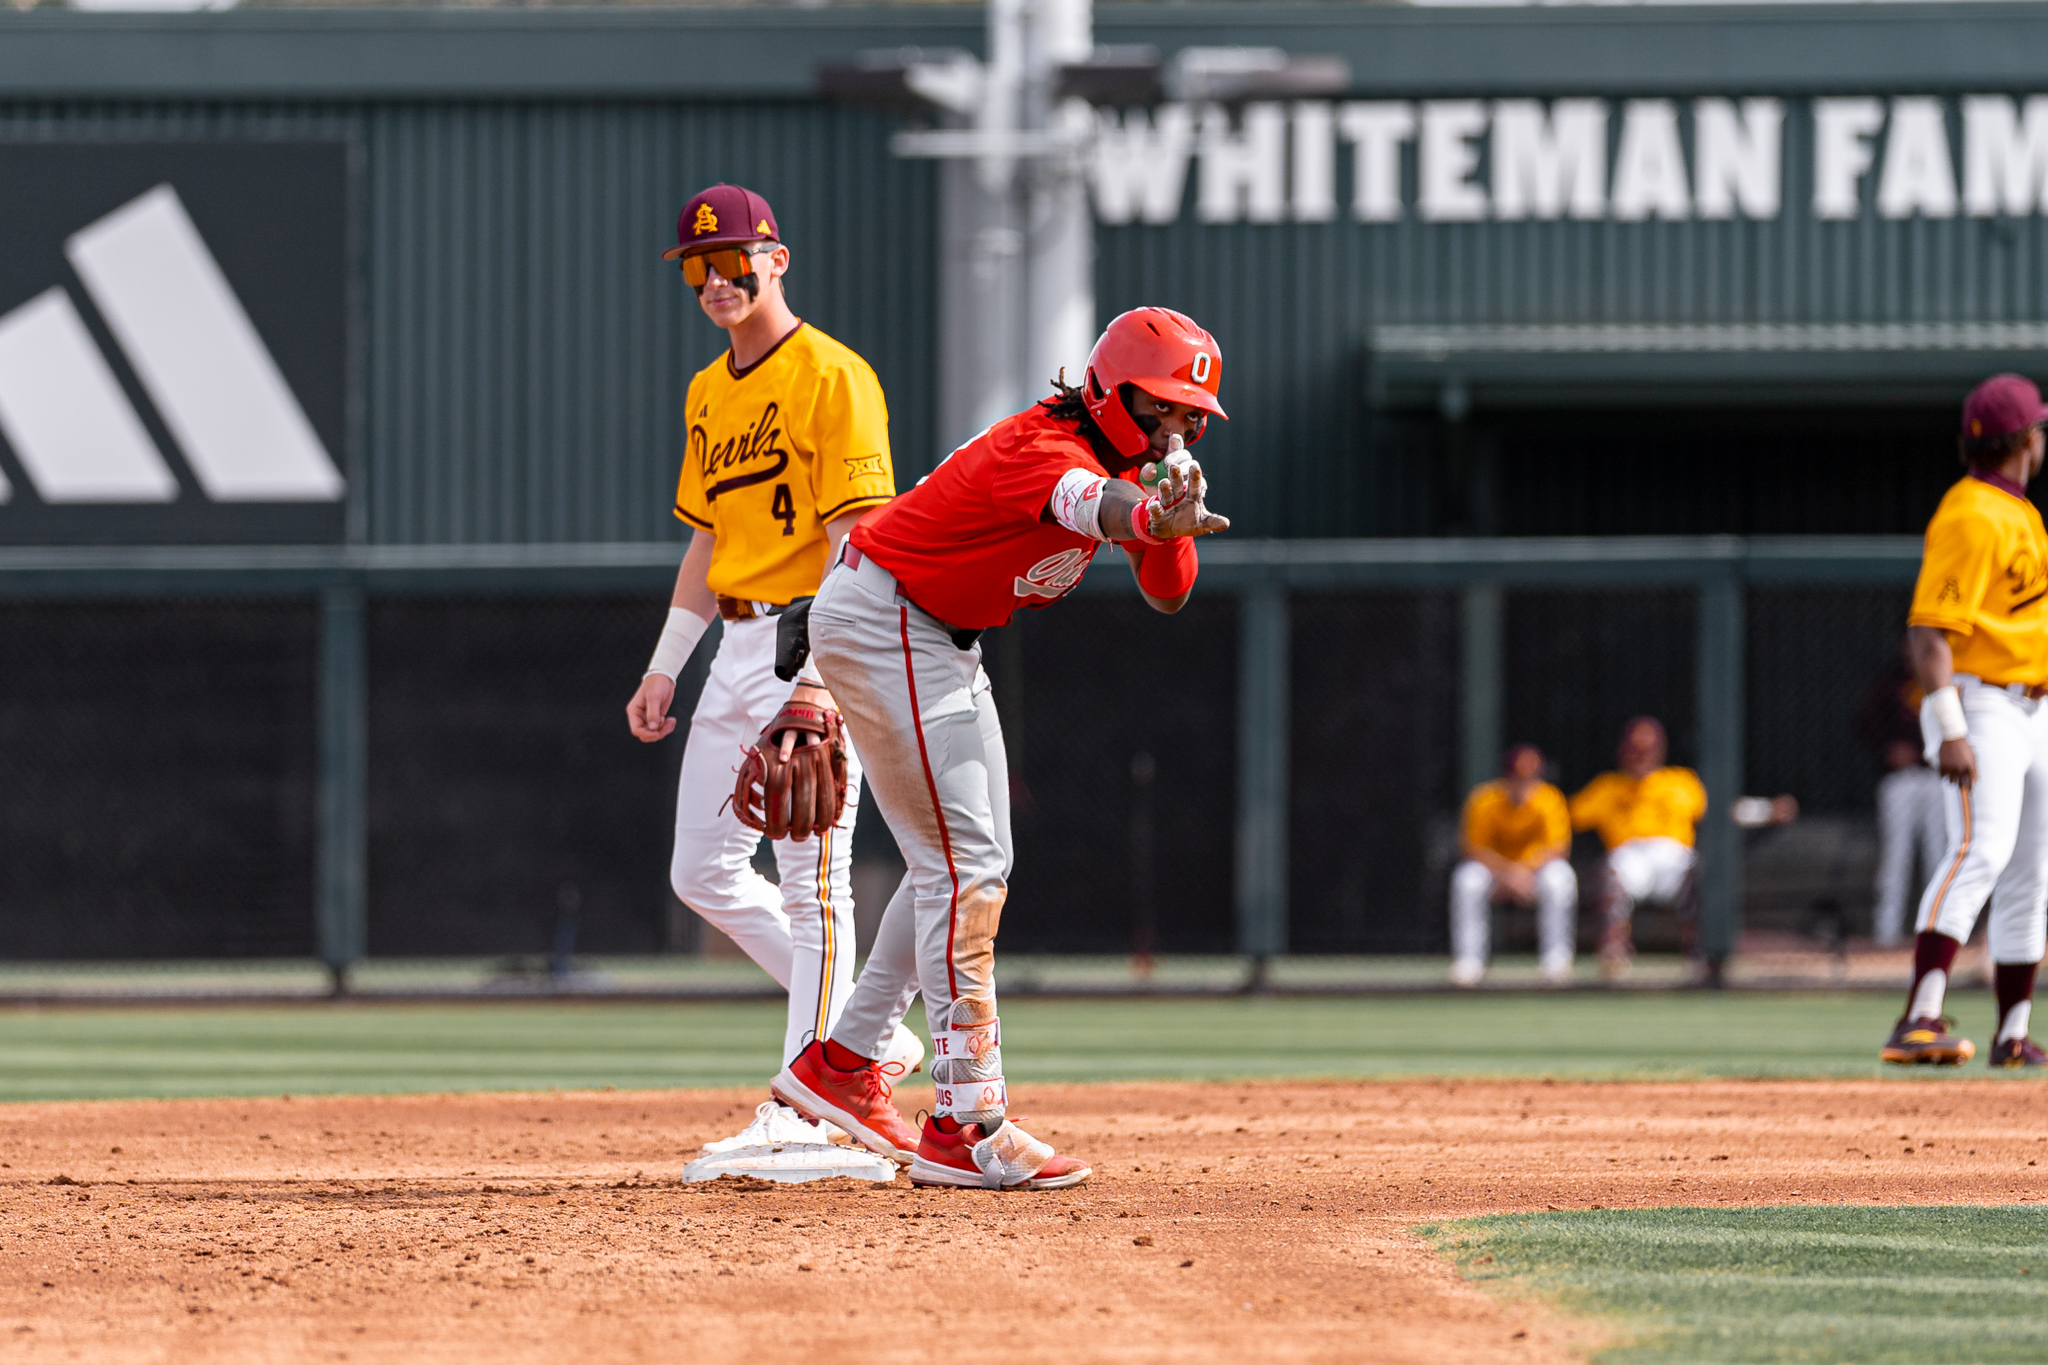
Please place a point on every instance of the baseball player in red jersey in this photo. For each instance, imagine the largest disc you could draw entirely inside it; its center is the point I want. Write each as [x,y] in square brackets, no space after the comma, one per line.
[1009,520]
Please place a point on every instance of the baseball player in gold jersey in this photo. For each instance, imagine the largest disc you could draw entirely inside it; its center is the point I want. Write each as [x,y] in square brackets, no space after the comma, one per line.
[788,448]
[1978,636]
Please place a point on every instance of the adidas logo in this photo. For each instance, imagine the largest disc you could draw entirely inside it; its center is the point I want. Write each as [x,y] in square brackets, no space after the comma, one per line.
[190,343]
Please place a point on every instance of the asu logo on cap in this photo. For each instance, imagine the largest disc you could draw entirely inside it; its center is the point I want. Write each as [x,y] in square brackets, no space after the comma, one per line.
[719,216]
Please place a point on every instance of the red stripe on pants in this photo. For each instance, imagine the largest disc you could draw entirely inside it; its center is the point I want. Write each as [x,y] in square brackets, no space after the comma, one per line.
[931,785]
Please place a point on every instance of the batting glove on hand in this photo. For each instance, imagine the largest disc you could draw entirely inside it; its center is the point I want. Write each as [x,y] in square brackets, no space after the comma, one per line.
[1177,508]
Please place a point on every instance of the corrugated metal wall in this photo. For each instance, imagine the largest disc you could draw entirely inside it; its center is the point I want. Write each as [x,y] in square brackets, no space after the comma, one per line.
[526,350]
[527,347]
[1293,305]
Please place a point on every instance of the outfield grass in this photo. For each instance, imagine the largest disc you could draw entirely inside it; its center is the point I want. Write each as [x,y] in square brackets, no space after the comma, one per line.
[88,1053]
[1915,1286]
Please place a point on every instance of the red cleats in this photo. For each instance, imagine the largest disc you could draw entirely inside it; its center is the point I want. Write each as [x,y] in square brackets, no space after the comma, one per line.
[1007,1159]
[856,1102]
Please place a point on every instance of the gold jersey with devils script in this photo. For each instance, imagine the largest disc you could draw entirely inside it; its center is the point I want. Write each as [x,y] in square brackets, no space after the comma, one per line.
[1983,581]
[777,450]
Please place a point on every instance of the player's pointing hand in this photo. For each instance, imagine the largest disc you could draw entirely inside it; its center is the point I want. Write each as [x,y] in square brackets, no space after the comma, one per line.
[1179,509]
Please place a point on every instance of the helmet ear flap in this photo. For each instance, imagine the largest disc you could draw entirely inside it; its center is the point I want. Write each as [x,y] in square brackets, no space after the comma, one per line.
[1107,409]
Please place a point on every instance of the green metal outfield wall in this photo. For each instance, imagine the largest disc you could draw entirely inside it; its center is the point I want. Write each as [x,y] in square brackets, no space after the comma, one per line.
[523,350]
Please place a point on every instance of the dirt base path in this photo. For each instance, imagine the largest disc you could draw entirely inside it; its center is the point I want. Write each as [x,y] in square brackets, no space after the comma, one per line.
[1224,1222]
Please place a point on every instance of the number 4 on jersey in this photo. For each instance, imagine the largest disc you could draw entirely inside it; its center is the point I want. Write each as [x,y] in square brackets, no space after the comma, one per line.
[784,509]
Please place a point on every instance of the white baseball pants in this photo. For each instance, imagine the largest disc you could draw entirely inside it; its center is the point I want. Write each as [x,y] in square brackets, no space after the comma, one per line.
[1998,830]
[1557,914]
[919,709]
[1910,825]
[801,932]
[1649,870]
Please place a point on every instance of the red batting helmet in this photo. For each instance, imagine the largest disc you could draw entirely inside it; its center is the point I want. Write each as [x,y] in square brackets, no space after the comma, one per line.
[1162,352]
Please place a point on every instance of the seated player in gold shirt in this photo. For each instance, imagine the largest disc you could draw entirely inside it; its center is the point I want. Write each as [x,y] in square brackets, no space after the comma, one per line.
[1517,835]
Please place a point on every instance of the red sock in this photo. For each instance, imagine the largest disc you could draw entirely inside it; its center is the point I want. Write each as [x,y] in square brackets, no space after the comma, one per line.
[2014,982]
[845,1058]
[1932,952]
[945,1123]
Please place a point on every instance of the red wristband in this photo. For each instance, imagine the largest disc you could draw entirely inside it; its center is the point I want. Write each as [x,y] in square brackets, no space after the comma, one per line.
[1168,570]
[1141,524]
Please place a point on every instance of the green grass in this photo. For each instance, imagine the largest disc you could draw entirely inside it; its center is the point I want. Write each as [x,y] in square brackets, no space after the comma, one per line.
[89,1053]
[1915,1286]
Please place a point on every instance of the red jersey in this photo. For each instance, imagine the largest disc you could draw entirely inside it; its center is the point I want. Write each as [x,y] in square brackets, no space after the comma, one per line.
[968,544]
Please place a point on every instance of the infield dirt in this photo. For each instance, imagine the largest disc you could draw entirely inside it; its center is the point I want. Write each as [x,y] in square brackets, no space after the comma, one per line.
[1224,1222]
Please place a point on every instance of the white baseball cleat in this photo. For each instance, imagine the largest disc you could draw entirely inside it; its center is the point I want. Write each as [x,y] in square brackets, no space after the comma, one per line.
[1467,972]
[775,1125]
[1557,973]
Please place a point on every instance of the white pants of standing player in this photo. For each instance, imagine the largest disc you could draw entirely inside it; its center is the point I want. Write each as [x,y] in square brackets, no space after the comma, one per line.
[1910,828]
[920,711]
[1998,830]
[801,932]
[1557,915]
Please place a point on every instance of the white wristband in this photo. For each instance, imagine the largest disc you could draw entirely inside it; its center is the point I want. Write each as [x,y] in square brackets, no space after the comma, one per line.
[1947,705]
[678,641]
[1077,503]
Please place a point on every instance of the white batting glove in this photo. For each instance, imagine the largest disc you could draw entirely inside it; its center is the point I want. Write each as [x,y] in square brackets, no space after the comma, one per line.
[1177,508]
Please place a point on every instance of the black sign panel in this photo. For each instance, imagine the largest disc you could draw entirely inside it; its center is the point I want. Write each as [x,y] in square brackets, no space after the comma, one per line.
[174,342]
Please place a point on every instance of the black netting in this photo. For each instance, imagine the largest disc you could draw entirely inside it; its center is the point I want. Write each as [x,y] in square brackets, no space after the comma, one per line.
[160,766]
[1373,763]
[506,795]
[1814,656]
[1579,665]
[1105,842]
[158,762]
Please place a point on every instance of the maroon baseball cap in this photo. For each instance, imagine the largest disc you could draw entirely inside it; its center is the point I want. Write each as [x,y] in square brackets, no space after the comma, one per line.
[2001,405]
[724,215]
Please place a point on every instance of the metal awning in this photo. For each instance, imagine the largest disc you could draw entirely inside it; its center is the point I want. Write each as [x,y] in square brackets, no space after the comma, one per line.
[1454,368]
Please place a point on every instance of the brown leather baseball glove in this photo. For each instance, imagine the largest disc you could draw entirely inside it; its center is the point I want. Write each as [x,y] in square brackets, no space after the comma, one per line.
[793,781]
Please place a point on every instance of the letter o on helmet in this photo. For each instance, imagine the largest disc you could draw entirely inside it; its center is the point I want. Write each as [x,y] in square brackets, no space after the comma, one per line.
[1164,353]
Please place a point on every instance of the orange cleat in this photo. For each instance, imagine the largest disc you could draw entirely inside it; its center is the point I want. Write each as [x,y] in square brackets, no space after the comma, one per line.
[856,1102]
[1007,1159]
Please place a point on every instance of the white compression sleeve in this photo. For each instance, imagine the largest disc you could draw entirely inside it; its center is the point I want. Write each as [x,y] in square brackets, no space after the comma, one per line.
[1077,503]
[678,641]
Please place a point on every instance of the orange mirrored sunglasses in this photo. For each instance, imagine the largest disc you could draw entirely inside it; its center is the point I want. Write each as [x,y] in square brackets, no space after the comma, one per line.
[730,262]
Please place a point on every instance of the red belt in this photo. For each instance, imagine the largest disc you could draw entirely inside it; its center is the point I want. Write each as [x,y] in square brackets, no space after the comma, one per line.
[849,553]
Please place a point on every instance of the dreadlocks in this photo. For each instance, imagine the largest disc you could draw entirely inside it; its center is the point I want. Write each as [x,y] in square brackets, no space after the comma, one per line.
[1069,404]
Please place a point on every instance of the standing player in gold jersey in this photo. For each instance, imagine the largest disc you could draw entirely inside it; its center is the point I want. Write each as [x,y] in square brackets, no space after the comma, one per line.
[788,448]
[1978,636]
